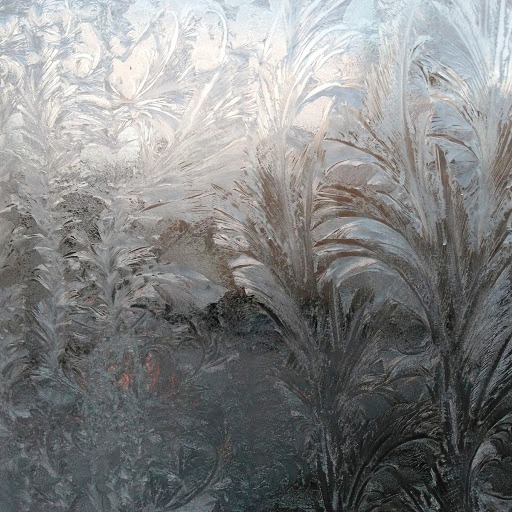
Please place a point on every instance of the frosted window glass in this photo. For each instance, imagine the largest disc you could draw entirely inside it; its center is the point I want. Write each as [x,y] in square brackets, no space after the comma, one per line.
[255,255]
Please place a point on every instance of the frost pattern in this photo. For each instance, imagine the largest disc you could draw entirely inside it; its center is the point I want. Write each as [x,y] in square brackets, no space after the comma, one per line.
[256,255]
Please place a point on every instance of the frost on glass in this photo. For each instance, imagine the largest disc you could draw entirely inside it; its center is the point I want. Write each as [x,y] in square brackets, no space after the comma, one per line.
[256,255]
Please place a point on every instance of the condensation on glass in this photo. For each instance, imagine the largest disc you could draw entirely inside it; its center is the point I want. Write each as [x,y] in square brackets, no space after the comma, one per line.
[255,255]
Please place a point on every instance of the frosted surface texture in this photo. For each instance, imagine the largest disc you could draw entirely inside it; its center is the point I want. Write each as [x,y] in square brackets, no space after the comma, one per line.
[255,255]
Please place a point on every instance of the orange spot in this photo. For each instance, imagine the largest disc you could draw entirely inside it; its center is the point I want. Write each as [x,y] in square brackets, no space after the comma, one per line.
[124,381]
[173,385]
[153,369]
